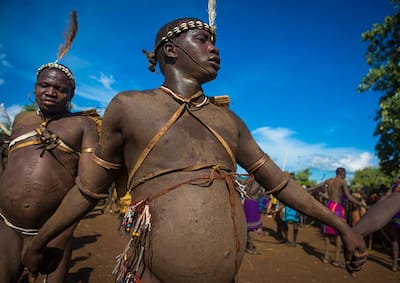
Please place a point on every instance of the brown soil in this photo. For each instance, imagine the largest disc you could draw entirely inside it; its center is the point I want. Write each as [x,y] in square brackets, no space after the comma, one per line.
[97,241]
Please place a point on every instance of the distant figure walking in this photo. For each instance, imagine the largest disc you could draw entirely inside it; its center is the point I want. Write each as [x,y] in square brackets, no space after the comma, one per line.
[336,188]
[291,216]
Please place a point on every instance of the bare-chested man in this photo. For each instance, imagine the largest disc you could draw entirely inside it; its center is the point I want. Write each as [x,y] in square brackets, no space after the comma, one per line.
[180,148]
[48,149]
[336,188]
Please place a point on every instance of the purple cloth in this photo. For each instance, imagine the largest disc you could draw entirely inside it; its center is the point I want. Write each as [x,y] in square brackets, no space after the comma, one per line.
[339,211]
[262,204]
[396,221]
[253,216]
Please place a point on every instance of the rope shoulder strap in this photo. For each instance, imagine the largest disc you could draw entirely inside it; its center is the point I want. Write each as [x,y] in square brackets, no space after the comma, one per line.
[220,139]
[153,142]
[220,100]
[44,137]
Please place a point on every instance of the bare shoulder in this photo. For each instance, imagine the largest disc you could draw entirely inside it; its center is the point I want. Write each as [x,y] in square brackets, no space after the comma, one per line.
[23,120]
[133,95]
[89,116]
[24,116]
[131,100]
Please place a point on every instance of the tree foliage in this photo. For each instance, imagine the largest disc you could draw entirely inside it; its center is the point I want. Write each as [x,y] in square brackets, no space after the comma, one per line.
[383,57]
[303,178]
[370,178]
[30,107]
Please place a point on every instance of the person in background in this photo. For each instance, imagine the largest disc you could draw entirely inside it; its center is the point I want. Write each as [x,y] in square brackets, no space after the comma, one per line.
[290,216]
[385,212]
[253,215]
[336,189]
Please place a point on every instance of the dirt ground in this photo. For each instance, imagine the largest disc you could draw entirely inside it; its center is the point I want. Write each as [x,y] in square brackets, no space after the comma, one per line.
[97,242]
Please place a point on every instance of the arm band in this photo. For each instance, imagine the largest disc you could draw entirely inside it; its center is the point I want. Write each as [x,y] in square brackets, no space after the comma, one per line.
[264,159]
[87,193]
[105,164]
[281,185]
[87,150]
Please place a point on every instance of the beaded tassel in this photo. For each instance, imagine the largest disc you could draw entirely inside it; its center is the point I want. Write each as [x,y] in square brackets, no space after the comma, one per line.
[137,222]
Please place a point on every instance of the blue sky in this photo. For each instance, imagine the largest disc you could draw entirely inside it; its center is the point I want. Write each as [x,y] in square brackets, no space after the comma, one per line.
[291,67]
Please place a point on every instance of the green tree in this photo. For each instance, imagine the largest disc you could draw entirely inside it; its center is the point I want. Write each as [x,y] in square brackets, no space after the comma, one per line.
[370,178]
[383,56]
[303,178]
[30,107]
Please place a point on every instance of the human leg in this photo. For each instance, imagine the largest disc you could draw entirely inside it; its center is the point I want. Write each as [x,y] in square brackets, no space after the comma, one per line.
[250,247]
[325,258]
[395,248]
[285,231]
[10,250]
[295,231]
[395,254]
[338,248]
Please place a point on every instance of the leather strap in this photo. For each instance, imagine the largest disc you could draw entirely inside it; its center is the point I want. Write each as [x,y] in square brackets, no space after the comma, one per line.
[153,142]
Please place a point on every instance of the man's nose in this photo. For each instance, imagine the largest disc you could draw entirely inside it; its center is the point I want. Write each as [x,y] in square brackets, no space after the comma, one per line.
[213,49]
[51,91]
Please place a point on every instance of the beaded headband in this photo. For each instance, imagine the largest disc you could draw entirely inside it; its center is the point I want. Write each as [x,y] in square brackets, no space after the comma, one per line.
[55,65]
[64,48]
[183,27]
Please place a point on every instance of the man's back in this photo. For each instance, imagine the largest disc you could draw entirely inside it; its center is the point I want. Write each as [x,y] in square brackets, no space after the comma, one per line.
[336,189]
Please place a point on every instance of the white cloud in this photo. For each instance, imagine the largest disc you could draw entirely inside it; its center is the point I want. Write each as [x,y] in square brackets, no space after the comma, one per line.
[13,110]
[3,61]
[96,93]
[294,154]
[99,89]
[4,64]
[105,80]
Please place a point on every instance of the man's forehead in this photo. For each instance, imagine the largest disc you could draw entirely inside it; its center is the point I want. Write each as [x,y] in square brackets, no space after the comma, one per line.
[53,74]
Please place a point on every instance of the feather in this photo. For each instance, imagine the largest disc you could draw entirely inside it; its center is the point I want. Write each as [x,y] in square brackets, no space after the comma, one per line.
[212,12]
[68,36]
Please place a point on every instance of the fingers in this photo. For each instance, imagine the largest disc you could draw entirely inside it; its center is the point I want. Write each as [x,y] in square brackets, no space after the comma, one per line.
[45,262]
[52,257]
[356,262]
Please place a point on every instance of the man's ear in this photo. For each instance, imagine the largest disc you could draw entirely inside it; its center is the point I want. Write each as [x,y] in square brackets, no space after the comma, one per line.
[169,50]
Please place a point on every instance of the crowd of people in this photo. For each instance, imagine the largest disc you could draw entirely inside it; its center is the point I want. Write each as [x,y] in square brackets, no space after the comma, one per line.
[59,167]
[350,207]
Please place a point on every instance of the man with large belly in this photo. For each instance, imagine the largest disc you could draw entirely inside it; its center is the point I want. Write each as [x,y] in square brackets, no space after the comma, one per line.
[48,148]
[180,149]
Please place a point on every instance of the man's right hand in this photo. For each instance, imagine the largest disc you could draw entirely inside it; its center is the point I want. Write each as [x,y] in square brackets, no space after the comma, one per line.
[355,251]
[43,261]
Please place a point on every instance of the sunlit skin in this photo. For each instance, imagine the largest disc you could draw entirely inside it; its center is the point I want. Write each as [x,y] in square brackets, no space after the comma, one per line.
[35,182]
[193,227]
